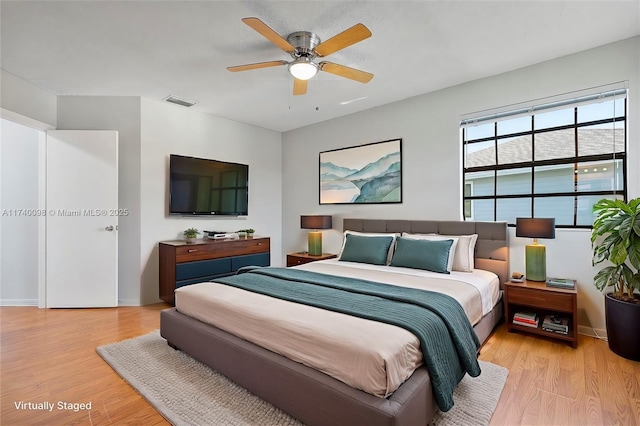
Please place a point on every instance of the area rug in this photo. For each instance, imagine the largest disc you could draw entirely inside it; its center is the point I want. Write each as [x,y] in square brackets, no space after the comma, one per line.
[187,392]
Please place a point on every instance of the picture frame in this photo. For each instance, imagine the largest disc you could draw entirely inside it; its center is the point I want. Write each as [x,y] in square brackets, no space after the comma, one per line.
[362,174]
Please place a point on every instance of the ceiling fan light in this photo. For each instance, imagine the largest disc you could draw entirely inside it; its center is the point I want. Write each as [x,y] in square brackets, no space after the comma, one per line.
[303,69]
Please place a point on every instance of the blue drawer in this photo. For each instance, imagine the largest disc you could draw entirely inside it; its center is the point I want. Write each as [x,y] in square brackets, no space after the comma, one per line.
[201,279]
[260,259]
[203,268]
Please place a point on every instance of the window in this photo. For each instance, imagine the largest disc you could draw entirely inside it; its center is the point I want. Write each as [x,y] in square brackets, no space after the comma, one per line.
[553,160]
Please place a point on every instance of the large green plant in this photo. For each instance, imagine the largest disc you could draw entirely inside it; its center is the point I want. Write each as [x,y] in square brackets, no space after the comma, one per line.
[616,238]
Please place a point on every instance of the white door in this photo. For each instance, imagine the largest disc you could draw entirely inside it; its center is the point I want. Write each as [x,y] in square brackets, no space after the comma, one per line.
[82,218]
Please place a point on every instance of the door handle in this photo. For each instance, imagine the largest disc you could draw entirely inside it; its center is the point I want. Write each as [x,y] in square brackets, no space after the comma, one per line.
[109,228]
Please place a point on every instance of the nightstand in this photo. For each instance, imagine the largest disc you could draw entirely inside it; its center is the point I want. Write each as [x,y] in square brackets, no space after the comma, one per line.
[534,296]
[294,259]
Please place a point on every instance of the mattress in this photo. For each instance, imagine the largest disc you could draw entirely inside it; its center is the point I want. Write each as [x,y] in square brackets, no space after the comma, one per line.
[367,355]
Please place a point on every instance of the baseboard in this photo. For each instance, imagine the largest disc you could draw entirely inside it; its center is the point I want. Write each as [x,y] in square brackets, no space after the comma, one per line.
[598,333]
[34,302]
[128,302]
[18,302]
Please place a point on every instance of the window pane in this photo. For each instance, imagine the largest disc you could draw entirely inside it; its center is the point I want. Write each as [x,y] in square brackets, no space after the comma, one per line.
[601,110]
[549,119]
[480,154]
[559,207]
[482,210]
[480,183]
[510,208]
[555,144]
[515,150]
[541,171]
[601,139]
[585,214]
[599,176]
[515,125]
[514,181]
[479,132]
[556,178]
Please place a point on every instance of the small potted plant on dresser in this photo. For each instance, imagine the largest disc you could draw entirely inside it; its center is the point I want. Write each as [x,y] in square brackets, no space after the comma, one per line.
[191,235]
[616,238]
[244,233]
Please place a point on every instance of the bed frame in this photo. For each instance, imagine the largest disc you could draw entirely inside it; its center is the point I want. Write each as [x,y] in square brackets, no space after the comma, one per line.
[312,396]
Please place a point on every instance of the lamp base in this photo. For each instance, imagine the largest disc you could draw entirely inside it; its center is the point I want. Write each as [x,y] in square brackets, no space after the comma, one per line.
[536,262]
[315,243]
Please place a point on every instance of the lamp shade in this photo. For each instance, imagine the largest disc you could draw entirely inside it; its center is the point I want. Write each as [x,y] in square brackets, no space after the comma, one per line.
[536,227]
[315,222]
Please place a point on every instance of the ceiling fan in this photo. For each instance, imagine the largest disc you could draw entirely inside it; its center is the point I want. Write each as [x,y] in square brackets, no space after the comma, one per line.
[304,47]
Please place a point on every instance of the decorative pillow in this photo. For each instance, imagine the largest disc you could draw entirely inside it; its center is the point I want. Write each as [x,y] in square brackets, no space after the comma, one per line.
[371,234]
[422,254]
[429,237]
[464,253]
[373,250]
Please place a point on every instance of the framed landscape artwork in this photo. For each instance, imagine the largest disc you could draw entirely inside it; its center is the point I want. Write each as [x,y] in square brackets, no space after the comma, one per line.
[364,174]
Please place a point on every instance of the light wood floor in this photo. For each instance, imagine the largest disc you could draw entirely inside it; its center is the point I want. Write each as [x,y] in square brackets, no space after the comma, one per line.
[49,355]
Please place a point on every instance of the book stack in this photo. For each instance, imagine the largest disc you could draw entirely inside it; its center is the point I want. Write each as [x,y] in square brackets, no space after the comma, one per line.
[561,283]
[556,324]
[528,319]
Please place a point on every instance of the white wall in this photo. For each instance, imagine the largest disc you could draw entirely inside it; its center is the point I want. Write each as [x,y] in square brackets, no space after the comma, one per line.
[24,98]
[170,129]
[18,206]
[431,151]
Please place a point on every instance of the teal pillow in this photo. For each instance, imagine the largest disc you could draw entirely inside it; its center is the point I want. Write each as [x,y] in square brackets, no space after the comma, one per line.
[431,255]
[373,250]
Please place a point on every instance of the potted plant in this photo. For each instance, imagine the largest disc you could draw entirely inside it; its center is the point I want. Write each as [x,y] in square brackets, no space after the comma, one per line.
[616,238]
[246,232]
[191,235]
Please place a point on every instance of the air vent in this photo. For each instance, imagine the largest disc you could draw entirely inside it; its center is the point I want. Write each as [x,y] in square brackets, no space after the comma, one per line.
[179,101]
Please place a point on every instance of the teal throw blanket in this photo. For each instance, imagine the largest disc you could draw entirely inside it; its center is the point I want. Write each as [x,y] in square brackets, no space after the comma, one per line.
[448,341]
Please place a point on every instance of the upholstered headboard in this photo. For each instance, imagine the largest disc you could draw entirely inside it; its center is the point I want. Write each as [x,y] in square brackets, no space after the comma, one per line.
[492,248]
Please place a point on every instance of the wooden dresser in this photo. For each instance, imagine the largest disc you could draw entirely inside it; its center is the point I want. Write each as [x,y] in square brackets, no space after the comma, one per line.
[183,264]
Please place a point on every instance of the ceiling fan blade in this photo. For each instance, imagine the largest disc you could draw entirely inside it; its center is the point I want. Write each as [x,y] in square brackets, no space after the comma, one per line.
[269,34]
[345,39]
[256,66]
[299,86]
[344,71]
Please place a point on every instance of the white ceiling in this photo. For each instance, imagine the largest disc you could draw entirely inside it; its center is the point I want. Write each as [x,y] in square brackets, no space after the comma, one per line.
[157,48]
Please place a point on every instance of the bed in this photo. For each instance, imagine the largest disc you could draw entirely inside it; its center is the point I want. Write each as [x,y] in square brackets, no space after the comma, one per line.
[313,396]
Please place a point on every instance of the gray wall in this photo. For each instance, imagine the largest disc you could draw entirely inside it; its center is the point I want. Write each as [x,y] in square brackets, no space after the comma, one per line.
[170,129]
[432,181]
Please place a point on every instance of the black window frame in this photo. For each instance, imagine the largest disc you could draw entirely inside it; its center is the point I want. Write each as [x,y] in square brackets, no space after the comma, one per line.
[574,160]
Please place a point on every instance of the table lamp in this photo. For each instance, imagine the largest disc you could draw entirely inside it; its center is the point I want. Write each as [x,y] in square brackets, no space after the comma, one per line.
[535,254]
[315,222]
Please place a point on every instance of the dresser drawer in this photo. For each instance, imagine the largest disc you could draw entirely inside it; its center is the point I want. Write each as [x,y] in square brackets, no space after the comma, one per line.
[203,268]
[540,299]
[223,248]
[261,259]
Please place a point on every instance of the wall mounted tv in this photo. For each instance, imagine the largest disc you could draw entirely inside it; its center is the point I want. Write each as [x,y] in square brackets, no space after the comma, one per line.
[199,186]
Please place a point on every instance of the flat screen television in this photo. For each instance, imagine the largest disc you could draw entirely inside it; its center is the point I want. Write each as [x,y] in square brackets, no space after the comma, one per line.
[199,186]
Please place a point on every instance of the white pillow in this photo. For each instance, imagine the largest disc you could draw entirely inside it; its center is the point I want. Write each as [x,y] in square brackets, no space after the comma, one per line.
[370,234]
[464,253]
[436,237]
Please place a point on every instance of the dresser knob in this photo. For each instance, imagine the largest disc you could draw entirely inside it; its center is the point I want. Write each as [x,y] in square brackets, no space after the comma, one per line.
[191,251]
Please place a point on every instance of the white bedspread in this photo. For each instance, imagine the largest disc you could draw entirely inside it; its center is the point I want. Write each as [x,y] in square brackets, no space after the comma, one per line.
[365,354]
